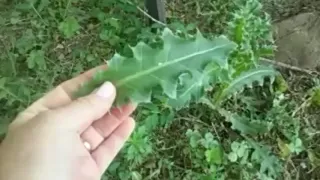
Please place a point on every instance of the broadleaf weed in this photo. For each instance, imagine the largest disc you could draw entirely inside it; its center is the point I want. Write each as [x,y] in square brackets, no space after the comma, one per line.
[249,128]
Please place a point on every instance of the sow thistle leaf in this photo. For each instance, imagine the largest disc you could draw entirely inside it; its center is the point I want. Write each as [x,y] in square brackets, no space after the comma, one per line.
[177,69]
[246,79]
[246,127]
[243,124]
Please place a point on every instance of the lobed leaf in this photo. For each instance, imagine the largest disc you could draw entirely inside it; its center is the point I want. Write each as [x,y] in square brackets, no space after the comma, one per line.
[245,79]
[69,26]
[176,70]
[243,124]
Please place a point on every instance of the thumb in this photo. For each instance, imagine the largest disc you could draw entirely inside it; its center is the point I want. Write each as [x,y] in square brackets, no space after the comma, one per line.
[82,112]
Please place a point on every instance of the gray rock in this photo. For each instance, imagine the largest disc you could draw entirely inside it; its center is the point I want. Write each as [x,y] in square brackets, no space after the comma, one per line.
[298,40]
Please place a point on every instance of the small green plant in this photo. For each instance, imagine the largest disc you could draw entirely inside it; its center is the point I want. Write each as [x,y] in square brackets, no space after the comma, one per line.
[69,27]
[36,59]
[207,155]
[315,97]
[139,146]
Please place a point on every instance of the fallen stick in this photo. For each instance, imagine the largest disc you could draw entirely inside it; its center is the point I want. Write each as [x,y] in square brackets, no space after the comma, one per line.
[290,67]
[150,17]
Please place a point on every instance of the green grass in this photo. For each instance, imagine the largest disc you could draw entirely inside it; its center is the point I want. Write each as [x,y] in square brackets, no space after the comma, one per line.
[269,132]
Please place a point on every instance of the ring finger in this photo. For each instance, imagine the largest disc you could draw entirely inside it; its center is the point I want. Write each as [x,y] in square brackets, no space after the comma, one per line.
[95,134]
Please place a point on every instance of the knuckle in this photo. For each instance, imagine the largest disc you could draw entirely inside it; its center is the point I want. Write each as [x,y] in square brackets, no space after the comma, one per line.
[93,106]
[88,101]
[42,120]
[45,115]
[23,118]
[45,118]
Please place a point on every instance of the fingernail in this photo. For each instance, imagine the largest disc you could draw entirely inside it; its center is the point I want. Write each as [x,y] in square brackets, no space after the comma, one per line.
[106,90]
[87,146]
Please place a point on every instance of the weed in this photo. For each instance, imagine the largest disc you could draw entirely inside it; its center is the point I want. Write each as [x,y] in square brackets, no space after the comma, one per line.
[241,120]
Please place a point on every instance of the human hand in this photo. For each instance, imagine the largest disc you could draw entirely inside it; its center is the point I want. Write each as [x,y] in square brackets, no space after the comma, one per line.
[57,138]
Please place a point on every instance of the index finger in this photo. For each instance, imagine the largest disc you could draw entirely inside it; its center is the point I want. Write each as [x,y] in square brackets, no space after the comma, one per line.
[59,96]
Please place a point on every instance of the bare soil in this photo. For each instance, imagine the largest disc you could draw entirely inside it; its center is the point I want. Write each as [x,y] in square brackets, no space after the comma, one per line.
[298,40]
[297,31]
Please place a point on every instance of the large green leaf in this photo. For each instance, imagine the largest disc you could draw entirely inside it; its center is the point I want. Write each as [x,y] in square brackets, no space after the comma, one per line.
[245,79]
[176,69]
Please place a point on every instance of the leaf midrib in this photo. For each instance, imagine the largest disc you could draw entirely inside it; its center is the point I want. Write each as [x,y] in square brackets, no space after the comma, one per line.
[253,73]
[246,76]
[163,65]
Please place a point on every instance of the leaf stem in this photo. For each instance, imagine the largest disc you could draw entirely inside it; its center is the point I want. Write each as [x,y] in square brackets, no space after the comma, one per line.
[66,10]
[148,15]
[35,10]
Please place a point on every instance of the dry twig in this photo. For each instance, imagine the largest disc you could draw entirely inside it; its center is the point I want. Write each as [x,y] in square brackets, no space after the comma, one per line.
[149,16]
[290,67]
